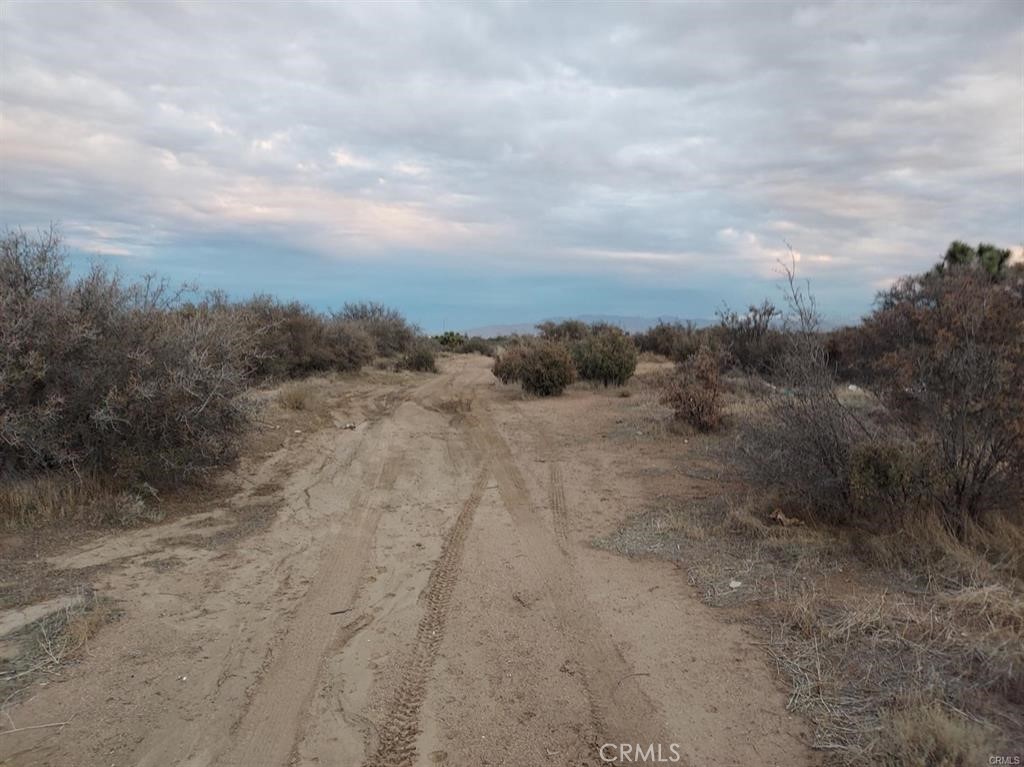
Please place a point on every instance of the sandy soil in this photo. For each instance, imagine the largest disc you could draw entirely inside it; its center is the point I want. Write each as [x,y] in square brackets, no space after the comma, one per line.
[424,592]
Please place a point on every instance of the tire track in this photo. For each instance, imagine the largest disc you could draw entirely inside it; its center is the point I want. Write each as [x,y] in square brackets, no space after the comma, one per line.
[267,731]
[397,735]
[556,499]
[619,709]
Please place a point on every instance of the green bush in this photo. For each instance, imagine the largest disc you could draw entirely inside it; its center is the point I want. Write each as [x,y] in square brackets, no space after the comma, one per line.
[606,355]
[450,340]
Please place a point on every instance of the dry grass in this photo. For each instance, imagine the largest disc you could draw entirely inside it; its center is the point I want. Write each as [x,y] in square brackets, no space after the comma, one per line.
[58,497]
[296,395]
[49,644]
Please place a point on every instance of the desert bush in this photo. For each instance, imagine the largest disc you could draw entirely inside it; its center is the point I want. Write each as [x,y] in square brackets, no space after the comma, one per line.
[450,340]
[546,369]
[420,357]
[390,331]
[477,345]
[945,351]
[460,343]
[508,363]
[676,341]
[801,440]
[293,340]
[695,392]
[606,355]
[542,367]
[99,374]
[751,339]
[565,331]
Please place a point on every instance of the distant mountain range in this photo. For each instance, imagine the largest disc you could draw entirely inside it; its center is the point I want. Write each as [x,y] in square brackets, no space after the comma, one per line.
[629,324]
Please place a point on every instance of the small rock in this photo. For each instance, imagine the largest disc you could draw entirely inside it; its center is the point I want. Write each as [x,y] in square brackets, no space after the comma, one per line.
[735,584]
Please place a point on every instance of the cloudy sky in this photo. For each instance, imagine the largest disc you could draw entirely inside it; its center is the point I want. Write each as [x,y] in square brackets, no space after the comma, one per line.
[477,164]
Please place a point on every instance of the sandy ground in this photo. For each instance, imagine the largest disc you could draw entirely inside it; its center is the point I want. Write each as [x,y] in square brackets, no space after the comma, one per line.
[425,593]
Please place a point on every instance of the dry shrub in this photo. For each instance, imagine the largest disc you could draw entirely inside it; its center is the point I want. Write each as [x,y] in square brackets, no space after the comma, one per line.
[566,331]
[541,367]
[606,356]
[752,340]
[293,340]
[121,378]
[950,363]
[509,362]
[420,357]
[674,340]
[695,392]
[391,332]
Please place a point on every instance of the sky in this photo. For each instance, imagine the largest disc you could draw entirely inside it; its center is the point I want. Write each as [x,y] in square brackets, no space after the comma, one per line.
[475,164]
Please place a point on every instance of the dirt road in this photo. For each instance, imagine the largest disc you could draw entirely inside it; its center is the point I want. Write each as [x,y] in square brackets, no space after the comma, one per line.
[425,593]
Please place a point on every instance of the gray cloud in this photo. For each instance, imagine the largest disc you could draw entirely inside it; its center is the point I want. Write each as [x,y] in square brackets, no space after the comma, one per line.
[653,141]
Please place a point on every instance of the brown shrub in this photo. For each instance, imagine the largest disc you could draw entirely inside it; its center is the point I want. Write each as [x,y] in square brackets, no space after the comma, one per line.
[508,363]
[695,393]
[752,341]
[946,353]
[674,340]
[420,357]
[541,367]
[292,340]
[101,374]
[390,331]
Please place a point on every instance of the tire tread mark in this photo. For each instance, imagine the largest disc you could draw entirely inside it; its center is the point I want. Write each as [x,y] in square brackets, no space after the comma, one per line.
[397,735]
